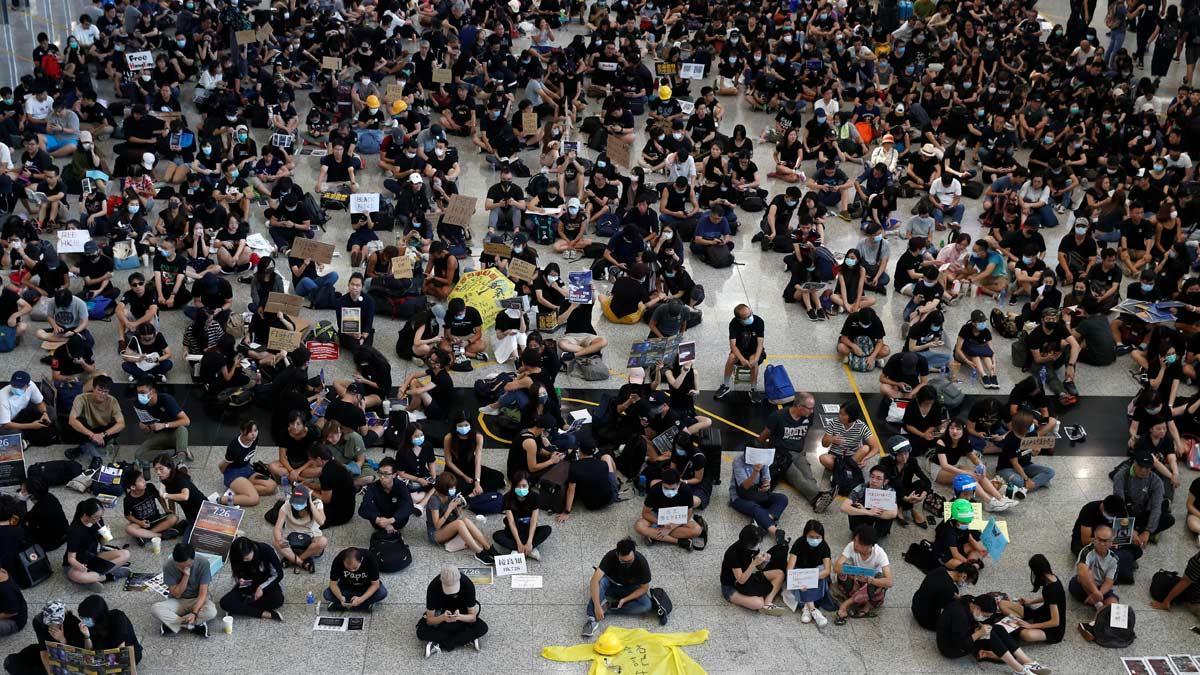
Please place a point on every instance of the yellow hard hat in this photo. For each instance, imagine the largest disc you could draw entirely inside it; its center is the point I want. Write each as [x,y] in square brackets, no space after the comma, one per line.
[608,644]
[399,106]
[372,101]
[664,92]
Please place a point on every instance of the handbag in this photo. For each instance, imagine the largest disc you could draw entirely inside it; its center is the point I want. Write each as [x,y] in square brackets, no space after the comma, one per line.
[8,338]
[32,567]
[299,542]
[895,414]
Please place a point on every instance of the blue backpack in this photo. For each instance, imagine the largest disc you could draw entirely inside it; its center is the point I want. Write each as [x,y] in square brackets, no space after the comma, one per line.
[778,385]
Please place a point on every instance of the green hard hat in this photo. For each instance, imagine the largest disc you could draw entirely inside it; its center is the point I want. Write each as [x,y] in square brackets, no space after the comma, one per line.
[962,511]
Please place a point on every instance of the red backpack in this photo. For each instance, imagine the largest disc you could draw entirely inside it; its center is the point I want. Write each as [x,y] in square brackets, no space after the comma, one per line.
[51,67]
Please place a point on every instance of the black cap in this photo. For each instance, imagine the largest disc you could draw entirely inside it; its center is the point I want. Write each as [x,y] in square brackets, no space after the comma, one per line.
[1143,459]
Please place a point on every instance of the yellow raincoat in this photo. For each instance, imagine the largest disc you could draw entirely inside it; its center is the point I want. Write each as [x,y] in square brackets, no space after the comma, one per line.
[643,653]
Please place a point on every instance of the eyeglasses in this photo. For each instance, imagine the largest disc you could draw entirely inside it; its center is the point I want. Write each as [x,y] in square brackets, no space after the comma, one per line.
[385,474]
[137,285]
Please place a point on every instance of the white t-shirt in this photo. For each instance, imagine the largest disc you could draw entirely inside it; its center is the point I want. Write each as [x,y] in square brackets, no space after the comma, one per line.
[945,194]
[876,561]
[13,401]
[39,110]
[86,36]
[5,157]
[831,108]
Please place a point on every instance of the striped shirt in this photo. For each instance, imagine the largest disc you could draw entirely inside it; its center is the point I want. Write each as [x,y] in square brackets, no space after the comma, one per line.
[852,438]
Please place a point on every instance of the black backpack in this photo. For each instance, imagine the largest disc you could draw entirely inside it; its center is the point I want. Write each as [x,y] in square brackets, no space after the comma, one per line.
[661,602]
[920,555]
[56,472]
[718,256]
[390,551]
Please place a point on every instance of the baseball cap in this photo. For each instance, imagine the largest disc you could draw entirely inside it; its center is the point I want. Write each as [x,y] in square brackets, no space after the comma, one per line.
[449,577]
[978,315]
[148,160]
[19,379]
[1142,459]
[573,201]
[414,178]
[637,375]
[90,247]
[299,498]
[908,363]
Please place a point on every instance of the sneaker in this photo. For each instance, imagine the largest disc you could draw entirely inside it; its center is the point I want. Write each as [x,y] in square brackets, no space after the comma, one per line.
[482,357]
[1086,631]
[755,396]
[201,630]
[168,534]
[685,544]
[475,644]
[431,648]
[998,505]
[806,615]
[819,618]
[590,628]
[141,542]
[1123,349]
[535,554]
[1069,385]
[773,610]
[1037,668]
[164,631]
[491,409]
[812,315]
[485,558]
[823,501]
[1018,492]
[722,392]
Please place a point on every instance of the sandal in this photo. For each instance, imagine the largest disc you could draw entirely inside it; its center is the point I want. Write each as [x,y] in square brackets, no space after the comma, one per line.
[839,620]
[309,567]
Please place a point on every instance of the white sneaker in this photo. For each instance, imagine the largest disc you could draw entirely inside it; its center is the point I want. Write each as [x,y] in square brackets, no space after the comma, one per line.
[432,648]
[492,409]
[535,554]
[475,644]
[819,618]
[806,615]
[997,505]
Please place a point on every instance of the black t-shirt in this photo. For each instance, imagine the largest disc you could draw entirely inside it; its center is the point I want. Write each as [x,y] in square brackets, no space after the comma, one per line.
[12,602]
[416,463]
[627,293]
[296,449]
[592,489]
[356,582]
[936,591]
[809,556]
[346,414]
[893,370]
[144,507]
[635,573]
[501,191]
[1091,515]
[655,499]
[465,326]
[522,509]
[1010,448]
[335,171]
[336,478]
[853,330]
[139,304]
[83,541]
[736,557]
[239,455]
[1026,394]
[440,602]
[746,336]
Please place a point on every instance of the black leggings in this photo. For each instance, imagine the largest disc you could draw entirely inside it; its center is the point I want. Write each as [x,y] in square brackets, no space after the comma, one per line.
[450,636]
[504,537]
[1000,642]
[239,603]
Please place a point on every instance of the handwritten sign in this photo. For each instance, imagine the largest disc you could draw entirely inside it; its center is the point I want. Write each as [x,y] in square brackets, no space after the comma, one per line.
[529,122]
[246,37]
[762,456]
[265,31]
[527,581]
[331,63]
[460,210]
[993,539]
[72,241]
[692,71]
[617,150]
[394,91]
[803,578]
[1118,616]
[366,202]
[497,249]
[663,68]
[284,303]
[508,565]
[880,499]
[521,270]
[607,66]
[1030,443]
[673,515]
[322,351]
[311,249]
[402,267]
[281,339]
[139,60]
[443,75]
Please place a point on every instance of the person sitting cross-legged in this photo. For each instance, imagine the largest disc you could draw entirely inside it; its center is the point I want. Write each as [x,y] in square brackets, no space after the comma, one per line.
[620,584]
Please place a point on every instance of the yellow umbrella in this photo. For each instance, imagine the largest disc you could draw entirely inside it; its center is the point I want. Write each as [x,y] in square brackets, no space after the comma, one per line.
[483,290]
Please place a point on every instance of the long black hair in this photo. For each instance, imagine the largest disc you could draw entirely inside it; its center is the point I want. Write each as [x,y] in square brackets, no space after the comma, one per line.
[1039,567]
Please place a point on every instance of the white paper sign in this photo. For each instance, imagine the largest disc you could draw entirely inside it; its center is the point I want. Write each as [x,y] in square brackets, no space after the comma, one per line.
[139,60]
[692,71]
[364,203]
[1119,616]
[673,515]
[880,499]
[830,408]
[762,456]
[72,241]
[804,577]
[508,565]
[527,581]
[607,66]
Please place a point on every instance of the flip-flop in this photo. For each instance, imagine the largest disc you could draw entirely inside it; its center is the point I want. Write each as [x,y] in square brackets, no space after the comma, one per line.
[839,620]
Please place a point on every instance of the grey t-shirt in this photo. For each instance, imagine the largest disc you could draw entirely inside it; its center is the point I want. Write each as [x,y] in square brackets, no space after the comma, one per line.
[1101,568]
[666,325]
[69,317]
[201,574]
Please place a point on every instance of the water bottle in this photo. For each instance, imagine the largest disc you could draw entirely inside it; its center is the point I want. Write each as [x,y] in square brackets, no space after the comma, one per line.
[284,485]
[311,601]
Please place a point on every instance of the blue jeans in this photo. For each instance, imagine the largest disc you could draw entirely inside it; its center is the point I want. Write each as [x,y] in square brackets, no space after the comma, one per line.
[936,360]
[518,398]
[612,591]
[1040,475]
[307,285]
[765,514]
[379,595]
[813,594]
[955,213]
[514,215]
[1047,216]
[1116,41]
[1064,199]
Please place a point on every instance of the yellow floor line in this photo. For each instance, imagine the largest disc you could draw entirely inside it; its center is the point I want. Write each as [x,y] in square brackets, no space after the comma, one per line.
[861,404]
[722,420]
